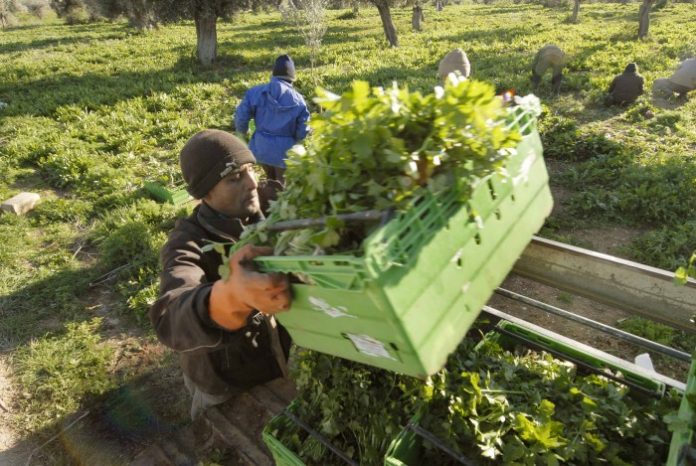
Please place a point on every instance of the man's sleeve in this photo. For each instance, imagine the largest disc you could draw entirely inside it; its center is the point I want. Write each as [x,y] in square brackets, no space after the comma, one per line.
[243,114]
[612,86]
[301,123]
[180,316]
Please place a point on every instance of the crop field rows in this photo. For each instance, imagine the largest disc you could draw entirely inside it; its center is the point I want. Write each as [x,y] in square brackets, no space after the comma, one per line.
[95,110]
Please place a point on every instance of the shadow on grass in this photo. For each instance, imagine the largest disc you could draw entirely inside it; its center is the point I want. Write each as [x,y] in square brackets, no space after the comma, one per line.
[611,182]
[110,429]
[89,91]
[38,44]
[76,294]
[43,306]
[508,34]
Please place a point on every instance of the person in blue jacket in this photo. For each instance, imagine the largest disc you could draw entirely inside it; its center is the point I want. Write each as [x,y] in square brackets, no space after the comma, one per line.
[280,114]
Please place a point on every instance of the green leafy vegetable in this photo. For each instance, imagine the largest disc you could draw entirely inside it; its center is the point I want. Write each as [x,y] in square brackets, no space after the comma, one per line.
[492,405]
[377,148]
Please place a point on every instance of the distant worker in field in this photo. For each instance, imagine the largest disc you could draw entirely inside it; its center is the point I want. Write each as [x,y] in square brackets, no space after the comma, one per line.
[626,87]
[280,115]
[681,82]
[222,329]
[455,61]
[549,56]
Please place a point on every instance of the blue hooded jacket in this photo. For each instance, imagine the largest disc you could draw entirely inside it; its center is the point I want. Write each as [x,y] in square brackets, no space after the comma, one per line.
[281,116]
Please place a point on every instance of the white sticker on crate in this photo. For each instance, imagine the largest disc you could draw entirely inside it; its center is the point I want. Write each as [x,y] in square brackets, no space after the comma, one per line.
[369,346]
[523,175]
[331,311]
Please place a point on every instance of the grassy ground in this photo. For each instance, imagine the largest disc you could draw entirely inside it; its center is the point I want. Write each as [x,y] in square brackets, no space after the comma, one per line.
[95,110]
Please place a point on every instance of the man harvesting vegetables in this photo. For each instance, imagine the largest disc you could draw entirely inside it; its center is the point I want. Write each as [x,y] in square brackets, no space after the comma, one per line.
[681,82]
[455,61]
[626,87]
[280,114]
[549,56]
[223,330]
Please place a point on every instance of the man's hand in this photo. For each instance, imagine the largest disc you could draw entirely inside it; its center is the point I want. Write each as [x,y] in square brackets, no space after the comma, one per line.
[233,300]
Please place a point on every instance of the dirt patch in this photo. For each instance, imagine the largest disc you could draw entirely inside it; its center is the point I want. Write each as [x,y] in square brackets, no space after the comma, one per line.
[608,240]
[12,451]
[560,196]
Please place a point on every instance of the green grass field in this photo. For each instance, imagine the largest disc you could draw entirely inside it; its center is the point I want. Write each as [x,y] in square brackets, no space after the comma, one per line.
[95,110]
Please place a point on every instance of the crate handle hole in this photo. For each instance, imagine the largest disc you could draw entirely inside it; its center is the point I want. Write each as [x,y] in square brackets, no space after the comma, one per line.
[477,238]
[498,214]
[491,189]
[512,197]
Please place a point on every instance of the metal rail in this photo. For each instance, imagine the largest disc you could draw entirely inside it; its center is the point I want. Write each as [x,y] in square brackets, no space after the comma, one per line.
[577,362]
[323,440]
[432,438]
[629,337]
[636,288]
[614,360]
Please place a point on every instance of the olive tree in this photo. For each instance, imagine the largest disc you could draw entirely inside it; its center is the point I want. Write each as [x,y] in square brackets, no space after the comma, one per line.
[205,14]
[576,12]
[309,16]
[644,18]
[383,6]
[7,10]
[417,16]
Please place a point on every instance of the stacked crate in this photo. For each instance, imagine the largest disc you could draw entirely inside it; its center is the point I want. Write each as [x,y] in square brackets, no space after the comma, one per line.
[406,302]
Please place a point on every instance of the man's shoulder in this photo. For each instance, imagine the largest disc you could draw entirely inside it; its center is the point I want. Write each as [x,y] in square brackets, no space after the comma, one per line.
[187,229]
[297,97]
[256,90]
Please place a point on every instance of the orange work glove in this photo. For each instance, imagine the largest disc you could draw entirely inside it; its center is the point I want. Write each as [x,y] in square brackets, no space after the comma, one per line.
[245,290]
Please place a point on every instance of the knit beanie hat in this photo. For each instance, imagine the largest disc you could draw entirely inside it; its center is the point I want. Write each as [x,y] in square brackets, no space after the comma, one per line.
[456,60]
[284,68]
[210,155]
[631,68]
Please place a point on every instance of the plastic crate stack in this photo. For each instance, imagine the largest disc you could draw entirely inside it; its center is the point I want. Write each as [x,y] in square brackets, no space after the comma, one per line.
[406,302]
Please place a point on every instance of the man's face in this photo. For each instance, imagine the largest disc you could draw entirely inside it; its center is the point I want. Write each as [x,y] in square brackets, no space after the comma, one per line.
[235,194]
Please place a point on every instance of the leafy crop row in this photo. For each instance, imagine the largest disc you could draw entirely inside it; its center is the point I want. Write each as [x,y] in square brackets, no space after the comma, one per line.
[492,405]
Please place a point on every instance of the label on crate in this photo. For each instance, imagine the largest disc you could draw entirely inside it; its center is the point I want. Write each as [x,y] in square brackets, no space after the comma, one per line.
[331,311]
[523,175]
[369,346]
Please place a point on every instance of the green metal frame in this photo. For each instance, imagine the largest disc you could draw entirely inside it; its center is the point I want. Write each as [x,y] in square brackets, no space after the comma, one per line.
[683,436]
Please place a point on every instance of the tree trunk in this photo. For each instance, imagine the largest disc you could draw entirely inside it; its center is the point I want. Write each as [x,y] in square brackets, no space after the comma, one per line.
[356,8]
[438,5]
[387,23]
[206,37]
[417,17]
[576,12]
[644,18]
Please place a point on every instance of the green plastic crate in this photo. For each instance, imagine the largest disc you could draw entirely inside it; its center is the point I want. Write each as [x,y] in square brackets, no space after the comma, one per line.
[683,436]
[406,448]
[408,300]
[177,195]
[282,455]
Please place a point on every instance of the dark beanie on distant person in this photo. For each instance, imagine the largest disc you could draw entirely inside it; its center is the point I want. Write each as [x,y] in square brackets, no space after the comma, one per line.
[631,68]
[284,68]
[209,156]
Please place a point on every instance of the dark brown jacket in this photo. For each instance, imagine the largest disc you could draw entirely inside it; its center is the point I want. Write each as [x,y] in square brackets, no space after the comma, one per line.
[626,87]
[217,360]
